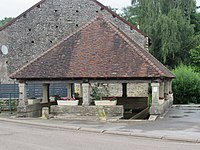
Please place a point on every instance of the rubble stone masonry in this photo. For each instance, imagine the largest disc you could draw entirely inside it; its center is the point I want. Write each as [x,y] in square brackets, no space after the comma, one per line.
[46,24]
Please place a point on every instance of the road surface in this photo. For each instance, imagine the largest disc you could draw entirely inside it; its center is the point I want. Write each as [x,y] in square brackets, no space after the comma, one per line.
[14,136]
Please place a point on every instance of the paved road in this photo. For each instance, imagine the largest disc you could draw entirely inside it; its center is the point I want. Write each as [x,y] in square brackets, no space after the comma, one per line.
[14,136]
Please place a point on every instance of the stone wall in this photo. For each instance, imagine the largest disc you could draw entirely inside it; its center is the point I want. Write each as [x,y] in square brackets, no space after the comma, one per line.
[4,79]
[133,90]
[33,110]
[110,111]
[115,90]
[46,24]
[137,90]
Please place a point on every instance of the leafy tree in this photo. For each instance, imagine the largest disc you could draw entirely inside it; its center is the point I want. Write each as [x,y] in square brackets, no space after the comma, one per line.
[186,86]
[195,58]
[195,20]
[129,15]
[168,24]
[5,20]
[113,9]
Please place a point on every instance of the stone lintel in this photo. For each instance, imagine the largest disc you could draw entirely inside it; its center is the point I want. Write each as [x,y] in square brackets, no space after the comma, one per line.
[155,84]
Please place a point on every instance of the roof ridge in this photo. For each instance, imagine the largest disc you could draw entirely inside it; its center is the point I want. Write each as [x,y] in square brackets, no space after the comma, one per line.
[54,46]
[159,62]
[130,42]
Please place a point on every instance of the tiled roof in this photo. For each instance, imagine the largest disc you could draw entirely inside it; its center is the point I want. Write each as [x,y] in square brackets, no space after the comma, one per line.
[97,50]
[101,5]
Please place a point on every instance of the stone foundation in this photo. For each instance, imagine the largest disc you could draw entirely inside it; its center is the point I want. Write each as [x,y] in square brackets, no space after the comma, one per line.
[161,108]
[34,110]
[110,111]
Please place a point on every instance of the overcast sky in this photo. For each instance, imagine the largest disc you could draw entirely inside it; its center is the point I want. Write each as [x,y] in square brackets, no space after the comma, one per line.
[13,8]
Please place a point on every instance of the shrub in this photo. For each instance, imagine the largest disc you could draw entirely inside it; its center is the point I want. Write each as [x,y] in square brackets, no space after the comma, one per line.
[195,58]
[186,86]
[99,91]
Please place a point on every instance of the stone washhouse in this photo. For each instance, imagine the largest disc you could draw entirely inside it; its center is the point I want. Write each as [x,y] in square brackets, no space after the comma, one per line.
[81,42]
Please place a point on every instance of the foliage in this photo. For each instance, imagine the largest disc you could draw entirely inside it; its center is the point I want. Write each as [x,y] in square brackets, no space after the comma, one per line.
[113,9]
[195,20]
[195,58]
[112,99]
[5,20]
[99,91]
[186,86]
[168,24]
[129,15]
[68,99]
[5,104]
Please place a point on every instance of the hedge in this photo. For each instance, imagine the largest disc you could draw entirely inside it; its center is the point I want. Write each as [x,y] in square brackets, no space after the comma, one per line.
[186,86]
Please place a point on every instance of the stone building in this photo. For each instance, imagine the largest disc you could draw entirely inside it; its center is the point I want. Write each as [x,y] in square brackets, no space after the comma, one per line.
[46,23]
[53,28]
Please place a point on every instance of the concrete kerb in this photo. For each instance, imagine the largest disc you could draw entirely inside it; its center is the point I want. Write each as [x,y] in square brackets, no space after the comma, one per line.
[189,105]
[92,130]
[198,141]
[40,124]
[143,135]
[117,132]
[139,135]
[178,138]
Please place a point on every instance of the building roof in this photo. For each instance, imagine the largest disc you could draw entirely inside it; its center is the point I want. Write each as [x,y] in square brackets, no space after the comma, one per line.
[97,50]
[101,5]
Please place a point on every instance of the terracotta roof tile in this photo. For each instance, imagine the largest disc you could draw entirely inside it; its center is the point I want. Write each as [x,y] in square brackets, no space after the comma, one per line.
[97,50]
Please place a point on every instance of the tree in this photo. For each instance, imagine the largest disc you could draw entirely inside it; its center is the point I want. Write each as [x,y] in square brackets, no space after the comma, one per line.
[113,9]
[5,20]
[186,86]
[168,24]
[130,15]
[195,20]
[195,58]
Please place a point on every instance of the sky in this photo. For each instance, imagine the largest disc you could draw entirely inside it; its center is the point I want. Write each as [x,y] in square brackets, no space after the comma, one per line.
[13,8]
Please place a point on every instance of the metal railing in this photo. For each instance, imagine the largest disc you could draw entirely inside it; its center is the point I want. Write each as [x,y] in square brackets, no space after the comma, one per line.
[9,103]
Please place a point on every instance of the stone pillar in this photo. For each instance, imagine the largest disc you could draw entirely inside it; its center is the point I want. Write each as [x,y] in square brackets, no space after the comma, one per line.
[161,93]
[45,98]
[166,90]
[156,108]
[23,101]
[171,97]
[170,86]
[23,94]
[69,90]
[86,94]
[155,93]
